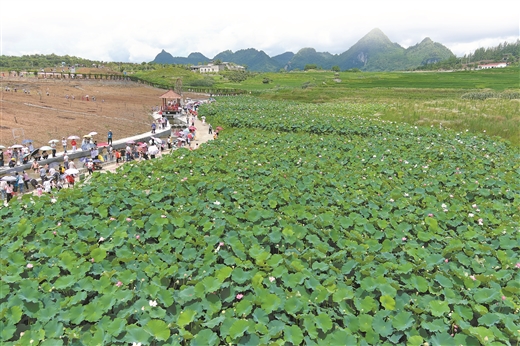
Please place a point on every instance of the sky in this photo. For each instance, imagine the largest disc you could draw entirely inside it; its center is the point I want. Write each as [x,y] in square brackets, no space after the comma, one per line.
[136,31]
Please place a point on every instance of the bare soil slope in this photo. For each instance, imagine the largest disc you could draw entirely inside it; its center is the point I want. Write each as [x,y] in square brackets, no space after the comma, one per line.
[56,108]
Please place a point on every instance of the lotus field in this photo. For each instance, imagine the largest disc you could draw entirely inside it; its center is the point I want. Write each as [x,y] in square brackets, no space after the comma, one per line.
[301,224]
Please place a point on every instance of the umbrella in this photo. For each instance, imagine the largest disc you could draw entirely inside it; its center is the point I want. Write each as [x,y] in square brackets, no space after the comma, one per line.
[2,147]
[73,137]
[16,146]
[9,178]
[192,128]
[219,128]
[25,141]
[103,144]
[93,133]
[35,151]
[157,140]
[45,148]
[131,141]
[54,141]
[71,171]
[25,155]
[87,136]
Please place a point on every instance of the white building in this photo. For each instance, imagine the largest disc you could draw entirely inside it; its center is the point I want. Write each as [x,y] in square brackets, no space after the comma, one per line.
[493,65]
[214,68]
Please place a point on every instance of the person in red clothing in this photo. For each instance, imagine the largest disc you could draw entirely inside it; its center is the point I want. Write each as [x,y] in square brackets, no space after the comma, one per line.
[74,145]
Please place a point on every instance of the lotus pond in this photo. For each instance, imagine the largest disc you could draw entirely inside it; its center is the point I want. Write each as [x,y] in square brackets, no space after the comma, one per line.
[302,224]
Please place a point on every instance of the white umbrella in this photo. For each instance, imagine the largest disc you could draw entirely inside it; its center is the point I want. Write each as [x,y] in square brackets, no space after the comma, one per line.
[2,147]
[87,136]
[45,148]
[157,140]
[93,133]
[16,146]
[9,178]
[71,171]
[73,137]
[54,141]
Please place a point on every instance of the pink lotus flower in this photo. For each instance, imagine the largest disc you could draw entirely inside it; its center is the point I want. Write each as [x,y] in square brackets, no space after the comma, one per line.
[221,243]
[271,278]
[430,215]
[517,265]
[472,277]
[446,260]
[112,218]
[163,216]
[403,238]
[54,233]
[119,284]
[480,222]
[92,260]
[240,296]
[137,236]
[504,297]
[128,219]
[29,265]
[59,223]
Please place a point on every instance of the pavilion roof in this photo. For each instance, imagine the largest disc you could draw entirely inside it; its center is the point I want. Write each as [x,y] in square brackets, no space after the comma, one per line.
[170,94]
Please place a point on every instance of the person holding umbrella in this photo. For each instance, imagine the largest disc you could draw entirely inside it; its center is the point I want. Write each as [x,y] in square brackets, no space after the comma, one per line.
[73,144]
[1,158]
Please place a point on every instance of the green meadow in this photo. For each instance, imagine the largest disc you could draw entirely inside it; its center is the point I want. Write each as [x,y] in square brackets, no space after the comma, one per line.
[443,99]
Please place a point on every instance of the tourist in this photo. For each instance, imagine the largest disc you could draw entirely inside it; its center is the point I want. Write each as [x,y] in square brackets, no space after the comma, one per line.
[109,141]
[26,179]
[45,156]
[153,150]
[53,146]
[35,166]
[64,144]
[153,128]
[1,158]
[90,166]
[18,183]
[47,186]
[118,157]
[43,173]
[9,191]
[3,183]
[210,130]
[66,161]
[73,144]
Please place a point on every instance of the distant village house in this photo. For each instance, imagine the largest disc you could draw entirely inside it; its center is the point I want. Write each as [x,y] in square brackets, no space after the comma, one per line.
[215,68]
[493,65]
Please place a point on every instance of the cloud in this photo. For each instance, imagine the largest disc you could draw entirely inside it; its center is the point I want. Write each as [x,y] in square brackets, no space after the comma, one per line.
[109,30]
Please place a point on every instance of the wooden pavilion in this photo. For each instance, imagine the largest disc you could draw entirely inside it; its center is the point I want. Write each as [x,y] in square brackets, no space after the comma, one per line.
[171,102]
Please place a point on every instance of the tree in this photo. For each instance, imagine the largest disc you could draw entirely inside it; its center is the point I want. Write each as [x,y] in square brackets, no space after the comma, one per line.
[310,67]
[335,68]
